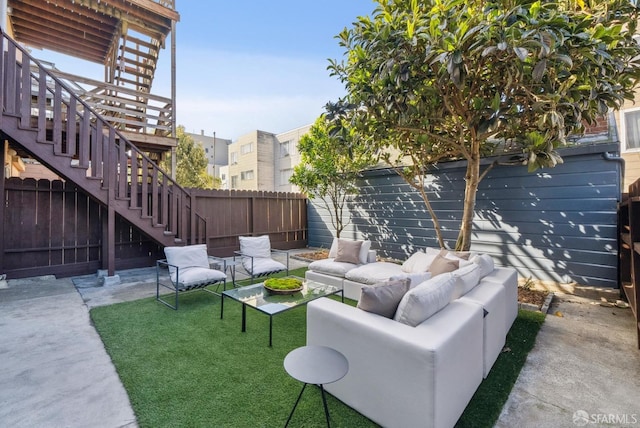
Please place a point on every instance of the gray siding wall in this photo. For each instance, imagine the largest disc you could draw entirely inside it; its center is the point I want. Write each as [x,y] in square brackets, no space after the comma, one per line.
[556,224]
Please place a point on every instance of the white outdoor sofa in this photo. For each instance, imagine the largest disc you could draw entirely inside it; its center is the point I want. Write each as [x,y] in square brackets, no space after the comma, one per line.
[409,372]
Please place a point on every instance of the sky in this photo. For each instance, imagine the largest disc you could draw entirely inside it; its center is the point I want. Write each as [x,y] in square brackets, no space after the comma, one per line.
[247,65]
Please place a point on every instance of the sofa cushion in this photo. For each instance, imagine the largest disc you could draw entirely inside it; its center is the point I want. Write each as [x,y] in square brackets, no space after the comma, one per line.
[373,273]
[441,264]
[348,251]
[383,298]
[331,267]
[466,278]
[255,246]
[364,250]
[421,302]
[485,263]
[420,261]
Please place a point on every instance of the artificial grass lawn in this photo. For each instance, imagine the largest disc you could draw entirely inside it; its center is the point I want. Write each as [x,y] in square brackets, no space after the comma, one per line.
[189,368]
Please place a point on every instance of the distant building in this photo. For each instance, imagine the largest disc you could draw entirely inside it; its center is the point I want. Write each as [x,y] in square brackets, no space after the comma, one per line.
[264,161]
[216,150]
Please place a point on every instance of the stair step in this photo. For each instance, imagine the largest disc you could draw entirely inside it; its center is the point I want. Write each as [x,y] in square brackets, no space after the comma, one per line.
[85,167]
[169,233]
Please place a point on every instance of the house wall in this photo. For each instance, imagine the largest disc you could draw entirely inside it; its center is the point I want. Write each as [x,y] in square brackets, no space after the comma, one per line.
[555,224]
[285,162]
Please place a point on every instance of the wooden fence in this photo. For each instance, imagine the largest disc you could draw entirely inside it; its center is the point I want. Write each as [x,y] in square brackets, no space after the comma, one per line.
[51,227]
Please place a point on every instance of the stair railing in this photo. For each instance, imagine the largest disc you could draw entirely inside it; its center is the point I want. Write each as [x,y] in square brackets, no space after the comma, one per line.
[38,98]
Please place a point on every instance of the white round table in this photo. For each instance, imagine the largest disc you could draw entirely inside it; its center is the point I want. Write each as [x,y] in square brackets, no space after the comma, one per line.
[316,365]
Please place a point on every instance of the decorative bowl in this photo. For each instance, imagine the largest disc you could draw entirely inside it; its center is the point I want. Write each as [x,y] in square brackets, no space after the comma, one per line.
[283,285]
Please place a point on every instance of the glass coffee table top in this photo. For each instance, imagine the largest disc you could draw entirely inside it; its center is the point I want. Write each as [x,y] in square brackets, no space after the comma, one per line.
[259,298]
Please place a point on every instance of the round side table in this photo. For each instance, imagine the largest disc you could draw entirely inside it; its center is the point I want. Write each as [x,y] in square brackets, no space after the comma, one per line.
[316,365]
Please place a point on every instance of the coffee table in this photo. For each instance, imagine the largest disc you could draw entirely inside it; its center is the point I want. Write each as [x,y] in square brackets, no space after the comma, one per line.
[255,296]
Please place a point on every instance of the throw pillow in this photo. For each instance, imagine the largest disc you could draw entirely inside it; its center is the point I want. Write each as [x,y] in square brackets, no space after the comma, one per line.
[383,298]
[421,302]
[364,250]
[442,264]
[348,251]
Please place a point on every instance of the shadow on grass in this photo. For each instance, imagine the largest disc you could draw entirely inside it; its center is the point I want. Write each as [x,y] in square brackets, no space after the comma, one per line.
[191,368]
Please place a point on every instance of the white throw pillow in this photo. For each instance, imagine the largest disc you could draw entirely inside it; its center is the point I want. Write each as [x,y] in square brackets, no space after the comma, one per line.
[255,246]
[466,278]
[187,256]
[485,263]
[426,299]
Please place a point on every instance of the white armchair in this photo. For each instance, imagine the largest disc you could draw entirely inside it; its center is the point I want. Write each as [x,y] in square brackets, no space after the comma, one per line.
[256,253]
[189,269]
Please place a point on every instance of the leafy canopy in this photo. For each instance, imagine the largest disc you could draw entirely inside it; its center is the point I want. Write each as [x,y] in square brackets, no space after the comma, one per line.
[191,165]
[327,170]
[449,79]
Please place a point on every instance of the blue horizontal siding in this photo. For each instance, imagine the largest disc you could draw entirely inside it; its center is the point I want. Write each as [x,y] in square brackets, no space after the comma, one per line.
[556,224]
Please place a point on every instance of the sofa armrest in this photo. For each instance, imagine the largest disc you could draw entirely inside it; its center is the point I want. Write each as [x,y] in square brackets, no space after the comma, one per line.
[430,371]
[372,256]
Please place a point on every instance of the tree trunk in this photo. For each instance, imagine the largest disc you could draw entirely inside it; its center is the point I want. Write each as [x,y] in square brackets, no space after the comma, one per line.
[472,179]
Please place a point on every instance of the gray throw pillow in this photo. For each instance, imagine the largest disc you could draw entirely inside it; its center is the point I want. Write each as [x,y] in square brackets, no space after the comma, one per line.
[383,298]
[348,251]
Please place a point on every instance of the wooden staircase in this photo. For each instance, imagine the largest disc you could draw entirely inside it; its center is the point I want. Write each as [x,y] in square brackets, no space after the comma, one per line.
[44,116]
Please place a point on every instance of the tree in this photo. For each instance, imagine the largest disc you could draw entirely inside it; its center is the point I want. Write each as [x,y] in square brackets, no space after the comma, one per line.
[448,79]
[328,171]
[191,166]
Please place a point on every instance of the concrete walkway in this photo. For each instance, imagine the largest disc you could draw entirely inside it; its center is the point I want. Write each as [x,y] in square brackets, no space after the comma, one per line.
[55,370]
[583,371]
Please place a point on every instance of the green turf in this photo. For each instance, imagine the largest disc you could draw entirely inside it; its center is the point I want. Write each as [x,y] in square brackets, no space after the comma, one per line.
[189,368]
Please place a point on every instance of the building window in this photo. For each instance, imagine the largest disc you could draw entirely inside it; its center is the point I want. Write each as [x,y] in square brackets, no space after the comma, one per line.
[246,148]
[246,175]
[233,158]
[234,181]
[285,175]
[285,148]
[631,129]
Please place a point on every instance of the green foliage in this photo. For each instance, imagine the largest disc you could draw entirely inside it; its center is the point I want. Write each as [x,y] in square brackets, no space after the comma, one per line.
[191,169]
[445,79]
[329,168]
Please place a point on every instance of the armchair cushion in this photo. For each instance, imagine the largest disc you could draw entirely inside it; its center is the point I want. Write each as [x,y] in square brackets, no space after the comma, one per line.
[255,246]
[194,276]
[383,298]
[261,265]
[189,266]
[187,256]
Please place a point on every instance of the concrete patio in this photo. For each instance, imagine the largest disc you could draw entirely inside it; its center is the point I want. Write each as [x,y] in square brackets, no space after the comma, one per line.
[583,370]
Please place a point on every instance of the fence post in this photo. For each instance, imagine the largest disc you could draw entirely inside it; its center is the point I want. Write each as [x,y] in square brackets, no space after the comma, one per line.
[2,203]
